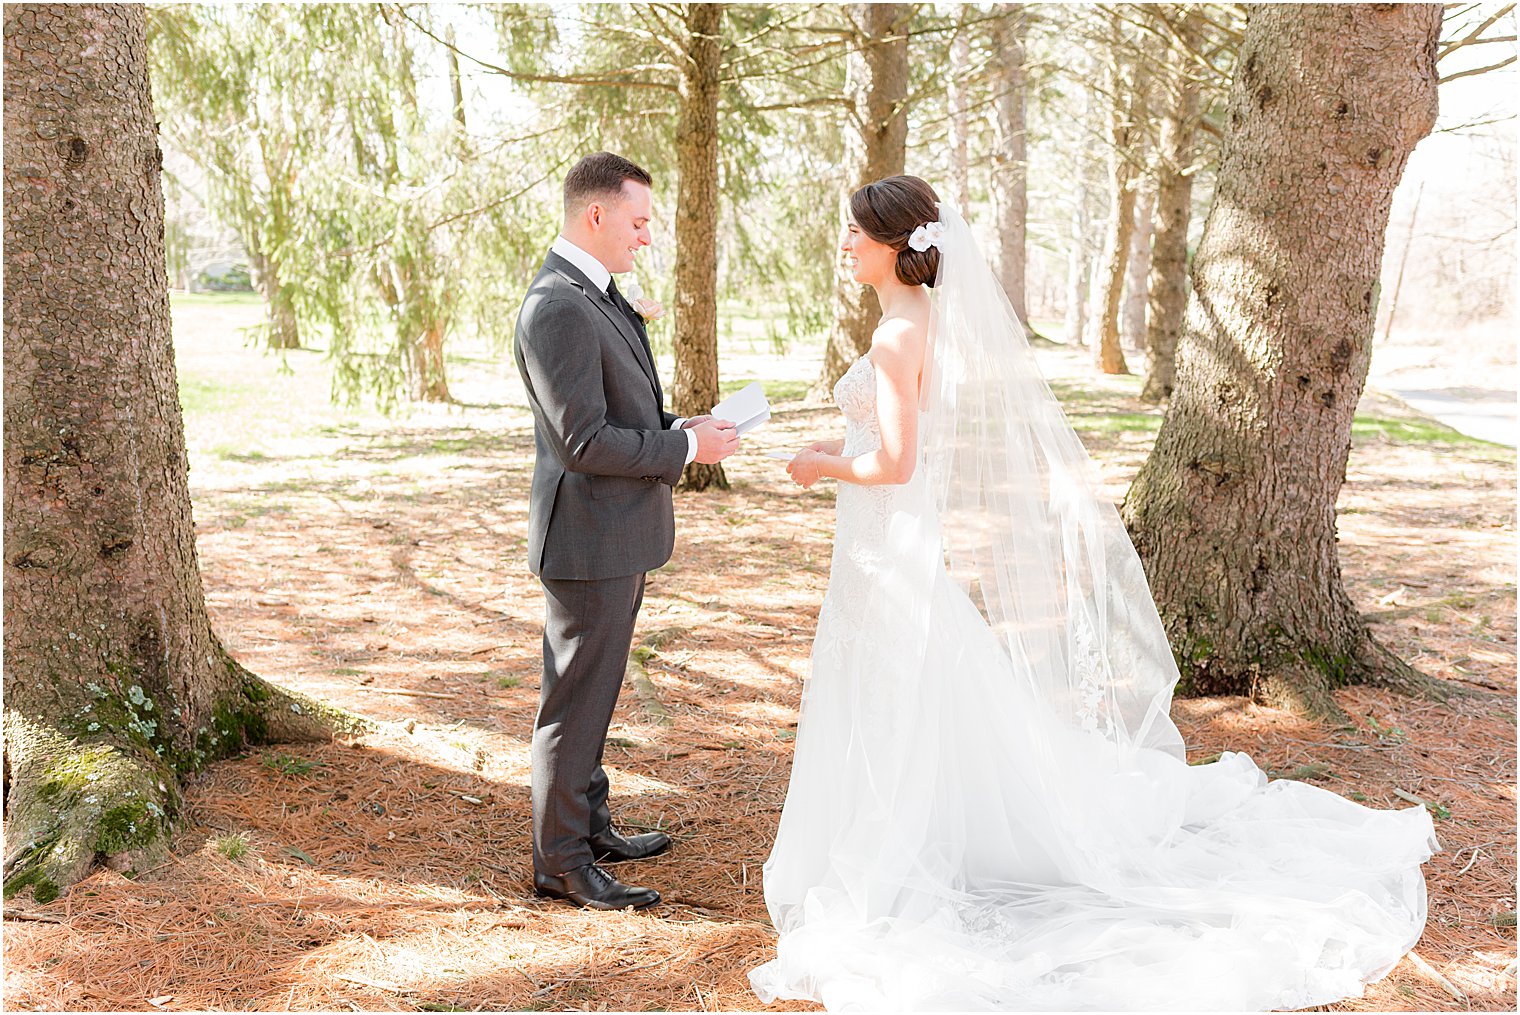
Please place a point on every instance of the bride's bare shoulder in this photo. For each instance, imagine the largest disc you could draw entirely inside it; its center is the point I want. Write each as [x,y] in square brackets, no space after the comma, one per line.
[903,332]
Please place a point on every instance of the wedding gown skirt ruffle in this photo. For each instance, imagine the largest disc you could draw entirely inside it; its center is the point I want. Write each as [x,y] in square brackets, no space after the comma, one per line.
[946,844]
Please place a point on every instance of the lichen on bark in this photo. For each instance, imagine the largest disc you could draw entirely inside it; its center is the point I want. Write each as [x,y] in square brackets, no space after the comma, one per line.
[115,684]
[1233,512]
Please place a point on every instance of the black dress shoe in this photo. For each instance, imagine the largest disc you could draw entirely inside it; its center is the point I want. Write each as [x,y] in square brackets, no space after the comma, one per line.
[611,847]
[593,888]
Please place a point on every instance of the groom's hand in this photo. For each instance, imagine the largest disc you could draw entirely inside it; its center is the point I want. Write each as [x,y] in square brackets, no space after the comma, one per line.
[716,439]
[692,421]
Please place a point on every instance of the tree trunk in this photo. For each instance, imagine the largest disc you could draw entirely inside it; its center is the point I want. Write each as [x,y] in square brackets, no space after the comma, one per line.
[1123,140]
[1234,510]
[115,684]
[281,329]
[957,97]
[696,310]
[429,380]
[1174,209]
[876,86]
[1077,276]
[1079,255]
[1109,275]
[456,91]
[1137,271]
[1010,158]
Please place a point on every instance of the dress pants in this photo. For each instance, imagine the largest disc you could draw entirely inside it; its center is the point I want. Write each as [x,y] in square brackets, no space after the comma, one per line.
[588,628]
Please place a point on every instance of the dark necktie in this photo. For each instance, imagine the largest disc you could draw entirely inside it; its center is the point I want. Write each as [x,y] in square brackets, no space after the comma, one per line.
[617,300]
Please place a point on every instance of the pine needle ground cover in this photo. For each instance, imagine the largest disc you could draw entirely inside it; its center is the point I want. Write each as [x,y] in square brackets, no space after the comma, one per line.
[378,564]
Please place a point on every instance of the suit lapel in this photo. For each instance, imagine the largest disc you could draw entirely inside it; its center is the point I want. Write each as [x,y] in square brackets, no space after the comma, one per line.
[636,343]
[638,323]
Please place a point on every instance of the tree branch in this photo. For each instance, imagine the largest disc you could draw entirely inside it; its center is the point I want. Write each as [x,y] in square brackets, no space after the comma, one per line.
[563,79]
[1473,36]
[1478,70]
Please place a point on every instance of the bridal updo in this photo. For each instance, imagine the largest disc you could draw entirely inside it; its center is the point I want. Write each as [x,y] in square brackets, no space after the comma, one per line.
[888,211]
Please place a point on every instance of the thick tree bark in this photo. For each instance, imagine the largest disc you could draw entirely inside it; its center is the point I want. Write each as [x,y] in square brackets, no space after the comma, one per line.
[1174,210]
[876,86]
[1137,271]
[696,311]
[114,682]
[1010,152]
[1234,510]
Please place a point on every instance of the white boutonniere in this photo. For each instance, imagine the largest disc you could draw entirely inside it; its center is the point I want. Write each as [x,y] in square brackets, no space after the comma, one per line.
[647,308]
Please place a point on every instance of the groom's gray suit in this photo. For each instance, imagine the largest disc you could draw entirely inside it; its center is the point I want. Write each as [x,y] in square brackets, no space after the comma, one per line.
[600,516]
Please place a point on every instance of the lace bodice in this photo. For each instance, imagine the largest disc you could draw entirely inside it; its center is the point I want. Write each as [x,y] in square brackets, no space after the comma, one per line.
[863,561]
[855,394]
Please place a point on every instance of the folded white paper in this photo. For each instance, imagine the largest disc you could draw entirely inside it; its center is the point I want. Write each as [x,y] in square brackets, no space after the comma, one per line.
[781,456]
[746,408]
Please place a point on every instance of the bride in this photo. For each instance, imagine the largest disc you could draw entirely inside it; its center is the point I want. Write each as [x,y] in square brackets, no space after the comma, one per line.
[989,805]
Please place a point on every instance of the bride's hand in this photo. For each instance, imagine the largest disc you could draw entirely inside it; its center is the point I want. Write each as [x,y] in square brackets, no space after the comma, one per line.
[833,447]
[804,468]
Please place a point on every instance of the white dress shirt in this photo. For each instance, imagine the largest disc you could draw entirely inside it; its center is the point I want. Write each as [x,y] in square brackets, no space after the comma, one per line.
[596,272]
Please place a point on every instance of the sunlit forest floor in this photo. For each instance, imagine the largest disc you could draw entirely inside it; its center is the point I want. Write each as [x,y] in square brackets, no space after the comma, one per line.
[380,564]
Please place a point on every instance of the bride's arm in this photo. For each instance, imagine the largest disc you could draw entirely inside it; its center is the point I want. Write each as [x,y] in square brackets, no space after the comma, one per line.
[897,354]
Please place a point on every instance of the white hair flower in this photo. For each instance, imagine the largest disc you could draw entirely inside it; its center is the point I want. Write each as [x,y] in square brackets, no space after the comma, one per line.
[927,235]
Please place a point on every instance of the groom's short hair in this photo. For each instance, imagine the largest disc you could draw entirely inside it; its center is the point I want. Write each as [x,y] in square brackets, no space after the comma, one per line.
[600,174]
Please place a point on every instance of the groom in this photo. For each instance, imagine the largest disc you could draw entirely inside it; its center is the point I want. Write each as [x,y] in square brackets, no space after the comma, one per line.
[600,516]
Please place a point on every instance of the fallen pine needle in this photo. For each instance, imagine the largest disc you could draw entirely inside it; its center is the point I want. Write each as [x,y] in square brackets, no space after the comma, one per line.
[361,981]
[1434,975]
[402,690]
[21,914]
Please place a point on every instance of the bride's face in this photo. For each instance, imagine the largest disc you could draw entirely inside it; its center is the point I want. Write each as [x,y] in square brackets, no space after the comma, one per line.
[871,261]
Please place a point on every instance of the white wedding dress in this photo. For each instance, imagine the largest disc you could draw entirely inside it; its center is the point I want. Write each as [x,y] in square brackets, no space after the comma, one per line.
[953,840]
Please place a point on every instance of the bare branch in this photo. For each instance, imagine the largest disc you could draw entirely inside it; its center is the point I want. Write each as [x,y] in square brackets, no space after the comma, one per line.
[1478,70]
[563,79]
[1474,35]
[1473,124]
[814,102]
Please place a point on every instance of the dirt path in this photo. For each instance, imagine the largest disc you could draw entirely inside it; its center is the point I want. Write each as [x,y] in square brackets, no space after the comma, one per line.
[379,565]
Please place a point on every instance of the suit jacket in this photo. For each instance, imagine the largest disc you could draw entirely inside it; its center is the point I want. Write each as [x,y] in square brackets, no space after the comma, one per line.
[606,459]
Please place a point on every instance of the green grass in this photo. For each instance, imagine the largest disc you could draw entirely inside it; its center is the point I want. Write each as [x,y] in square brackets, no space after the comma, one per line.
[207,396]
[775,391]
[288,764]
[1115,422]
[1413,431]
[233,847]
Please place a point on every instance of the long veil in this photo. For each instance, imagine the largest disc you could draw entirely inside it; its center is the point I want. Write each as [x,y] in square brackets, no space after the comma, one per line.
[1027,532]
[990,807]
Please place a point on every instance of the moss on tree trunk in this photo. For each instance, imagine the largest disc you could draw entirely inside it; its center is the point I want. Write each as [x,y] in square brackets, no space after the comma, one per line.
[1233,513]
[115,685]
